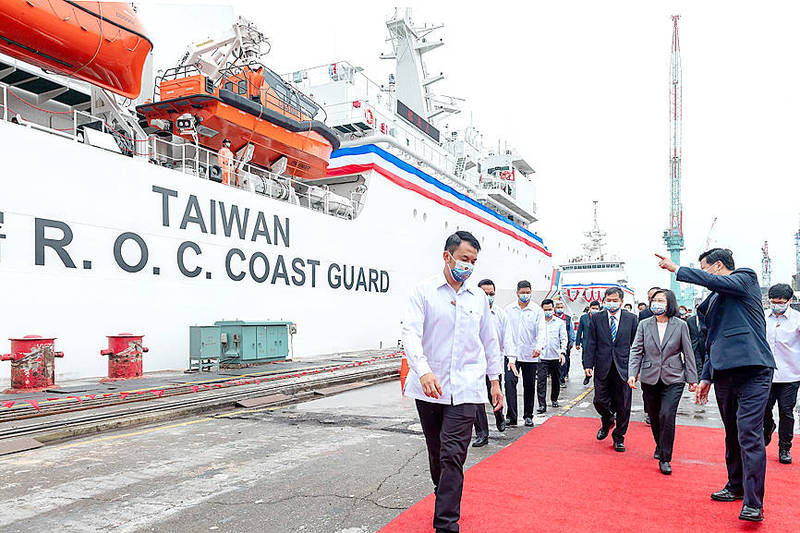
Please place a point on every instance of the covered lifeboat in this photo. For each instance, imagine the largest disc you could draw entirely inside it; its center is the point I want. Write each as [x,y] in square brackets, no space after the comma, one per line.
[101,43]
[278,123]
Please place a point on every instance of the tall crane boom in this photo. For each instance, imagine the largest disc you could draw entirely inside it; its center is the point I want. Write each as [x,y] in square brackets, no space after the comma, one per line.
[673,237]
[766,266]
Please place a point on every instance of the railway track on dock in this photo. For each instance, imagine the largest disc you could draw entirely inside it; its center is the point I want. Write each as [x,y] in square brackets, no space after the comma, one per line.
[65,419]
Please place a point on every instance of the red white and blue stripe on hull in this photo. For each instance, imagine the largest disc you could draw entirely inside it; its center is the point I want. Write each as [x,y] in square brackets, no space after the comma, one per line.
[358,159]
[590,291]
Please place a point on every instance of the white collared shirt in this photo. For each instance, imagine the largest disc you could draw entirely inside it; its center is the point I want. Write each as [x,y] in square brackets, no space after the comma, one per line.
[505,334]
[783,336]
[528,327]
[452,335]
[555,343]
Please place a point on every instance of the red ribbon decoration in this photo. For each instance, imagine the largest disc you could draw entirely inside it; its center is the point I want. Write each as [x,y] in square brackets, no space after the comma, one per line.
[123,395]
[8,404]
[34,403]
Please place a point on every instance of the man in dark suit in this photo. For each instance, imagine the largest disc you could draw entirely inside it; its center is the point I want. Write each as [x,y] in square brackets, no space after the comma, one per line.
[583,329]
[605,356]
[564,374]
[740,364]
[698,338]
[646,312]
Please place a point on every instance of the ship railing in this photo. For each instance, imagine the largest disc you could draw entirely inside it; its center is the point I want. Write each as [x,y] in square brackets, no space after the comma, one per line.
[360,86]
[200,162]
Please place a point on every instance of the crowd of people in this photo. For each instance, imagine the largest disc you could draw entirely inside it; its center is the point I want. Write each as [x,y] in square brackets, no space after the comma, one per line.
[458,343]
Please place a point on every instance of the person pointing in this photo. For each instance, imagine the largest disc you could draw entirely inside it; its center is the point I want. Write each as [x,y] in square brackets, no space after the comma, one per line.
[740,365]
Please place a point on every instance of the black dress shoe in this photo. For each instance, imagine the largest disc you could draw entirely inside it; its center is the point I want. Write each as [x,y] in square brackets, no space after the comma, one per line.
[657,454]
[510,423]
[647,419]
[586,380]
[751,514]
[603,432]
[726,495]
[480,441]
[541,410]
[665,467]
[529,421]
[768,433]
[554,404]
[785,457]
[619,447]
[501,425]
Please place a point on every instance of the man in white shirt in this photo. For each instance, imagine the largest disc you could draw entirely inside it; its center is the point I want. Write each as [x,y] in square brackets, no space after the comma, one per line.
[506,340]
[451,346]
[553,356]
[783,336]
[527,320]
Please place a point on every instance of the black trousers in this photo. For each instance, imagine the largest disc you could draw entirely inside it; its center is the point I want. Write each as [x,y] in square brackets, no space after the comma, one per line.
[511,392]
[553,369]
[528,387]
[742,395]
[481,421]
[612,396]
[786,396]
[565,367]
[447,429]
[662,406]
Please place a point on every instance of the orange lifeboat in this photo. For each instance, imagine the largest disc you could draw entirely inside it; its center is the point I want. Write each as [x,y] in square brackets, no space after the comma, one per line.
[277,120]
[102,43]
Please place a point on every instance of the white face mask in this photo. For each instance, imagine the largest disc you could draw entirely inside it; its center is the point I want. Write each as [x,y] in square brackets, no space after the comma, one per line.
[779,309]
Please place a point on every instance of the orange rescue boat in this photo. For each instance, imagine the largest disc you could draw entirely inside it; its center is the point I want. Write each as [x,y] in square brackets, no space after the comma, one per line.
[102,43]
[283,126]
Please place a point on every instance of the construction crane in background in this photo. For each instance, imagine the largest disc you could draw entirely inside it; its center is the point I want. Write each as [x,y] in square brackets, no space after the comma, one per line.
[766,266]
[708,236]
[796,277]
[673,237]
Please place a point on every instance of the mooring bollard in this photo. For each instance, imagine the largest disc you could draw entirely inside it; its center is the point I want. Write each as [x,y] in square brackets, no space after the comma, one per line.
[32,363]
[124,356]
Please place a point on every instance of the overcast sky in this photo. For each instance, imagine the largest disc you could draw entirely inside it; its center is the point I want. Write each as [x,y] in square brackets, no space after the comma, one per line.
[581,88]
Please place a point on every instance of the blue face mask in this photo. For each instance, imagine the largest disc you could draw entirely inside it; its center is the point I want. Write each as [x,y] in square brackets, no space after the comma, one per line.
[548,314]
[491,300]
[779,309]
[559,312]
[612,307]
[524,298]
[462,270]
[658,308]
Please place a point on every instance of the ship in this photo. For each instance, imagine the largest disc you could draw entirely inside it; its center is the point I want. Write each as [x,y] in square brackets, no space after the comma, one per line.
[586,276]
[114,215]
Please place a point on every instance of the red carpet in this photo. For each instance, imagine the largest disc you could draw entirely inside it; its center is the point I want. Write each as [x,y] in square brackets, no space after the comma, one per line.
[558,477]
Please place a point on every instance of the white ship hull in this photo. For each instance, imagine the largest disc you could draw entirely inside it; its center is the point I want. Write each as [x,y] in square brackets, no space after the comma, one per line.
[195,273]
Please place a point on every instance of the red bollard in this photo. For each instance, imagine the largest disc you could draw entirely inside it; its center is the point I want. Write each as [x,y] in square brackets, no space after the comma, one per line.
[124,356]
[32,363]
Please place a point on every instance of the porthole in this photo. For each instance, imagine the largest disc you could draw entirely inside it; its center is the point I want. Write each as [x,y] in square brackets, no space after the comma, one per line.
[415,213]
[424,217]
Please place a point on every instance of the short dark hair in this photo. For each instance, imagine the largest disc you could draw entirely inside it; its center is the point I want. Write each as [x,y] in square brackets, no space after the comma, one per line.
[641,304]
[628,305]
[454,241]
[523,285]
[781,291]
[653,289]
[594,303]
[614,290]
[487,281]
[672,302]
[548,301]
[719,254]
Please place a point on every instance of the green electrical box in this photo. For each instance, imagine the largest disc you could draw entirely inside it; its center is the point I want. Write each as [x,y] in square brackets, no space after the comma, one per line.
[239,343]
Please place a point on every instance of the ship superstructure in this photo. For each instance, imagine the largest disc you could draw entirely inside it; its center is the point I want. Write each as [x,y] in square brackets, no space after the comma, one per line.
[585,277]
[115,214]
